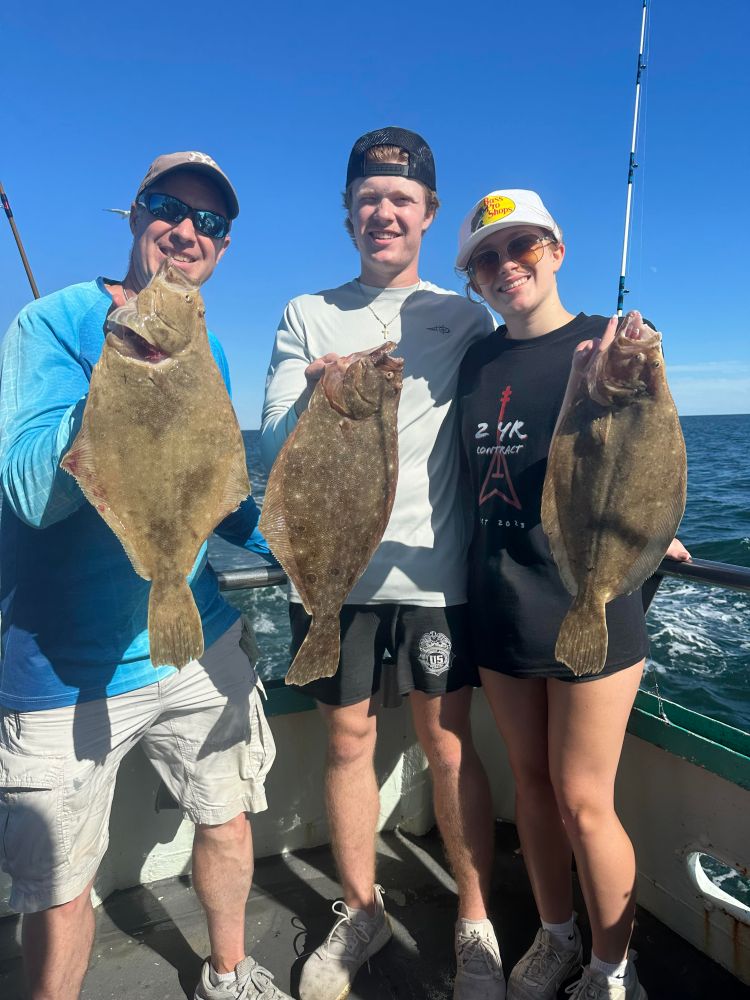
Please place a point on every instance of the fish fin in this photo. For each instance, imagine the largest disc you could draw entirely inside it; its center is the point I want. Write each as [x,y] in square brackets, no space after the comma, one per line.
[275,530]
[237,487]
[318,656]
[582,640]
[661,533]
[174,624]
[600,428]
[551,526]
[78,461]
[118,527]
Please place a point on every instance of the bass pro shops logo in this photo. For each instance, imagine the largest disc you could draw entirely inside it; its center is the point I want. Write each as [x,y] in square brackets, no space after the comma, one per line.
[493,208]
[435,652]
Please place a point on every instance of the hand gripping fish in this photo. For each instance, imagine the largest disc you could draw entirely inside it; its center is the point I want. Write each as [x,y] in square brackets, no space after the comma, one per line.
[160,453]
[614,490]
[330,494]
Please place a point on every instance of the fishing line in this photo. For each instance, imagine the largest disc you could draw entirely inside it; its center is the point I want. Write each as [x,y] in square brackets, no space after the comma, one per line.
[19,244]
[645,44]
[642,144]
[622,291]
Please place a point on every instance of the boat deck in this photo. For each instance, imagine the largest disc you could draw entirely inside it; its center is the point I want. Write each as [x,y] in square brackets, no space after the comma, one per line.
[151,940]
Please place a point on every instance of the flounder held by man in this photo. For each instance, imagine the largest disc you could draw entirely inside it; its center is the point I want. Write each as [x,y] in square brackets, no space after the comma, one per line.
[330,494]
[614,491]
[160,453]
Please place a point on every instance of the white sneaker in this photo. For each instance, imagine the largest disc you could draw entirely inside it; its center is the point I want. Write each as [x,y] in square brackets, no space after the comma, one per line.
[544,968]
[329,972]
[479,971]
[595,986]
[251,982]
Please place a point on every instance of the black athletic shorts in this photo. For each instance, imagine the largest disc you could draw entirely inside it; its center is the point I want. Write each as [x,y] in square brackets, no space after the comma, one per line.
[520,642]
[429,649]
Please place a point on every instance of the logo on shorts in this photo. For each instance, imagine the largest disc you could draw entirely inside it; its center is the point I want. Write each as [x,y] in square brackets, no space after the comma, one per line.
[435,652]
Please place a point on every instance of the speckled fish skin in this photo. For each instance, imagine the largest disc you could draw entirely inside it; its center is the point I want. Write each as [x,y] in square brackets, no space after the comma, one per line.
[160,452]
[614,491]
[330,494]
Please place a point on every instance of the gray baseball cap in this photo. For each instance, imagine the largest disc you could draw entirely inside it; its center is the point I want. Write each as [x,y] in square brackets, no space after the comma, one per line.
[201,163]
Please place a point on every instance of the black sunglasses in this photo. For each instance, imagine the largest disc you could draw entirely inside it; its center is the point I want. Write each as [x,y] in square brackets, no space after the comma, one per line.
[526,250]
[171,209]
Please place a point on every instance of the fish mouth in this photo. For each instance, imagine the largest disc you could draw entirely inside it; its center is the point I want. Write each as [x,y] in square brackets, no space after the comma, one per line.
[381,357]
[132,345]
[635,335]
[378,356]
[130,327]
[624,371]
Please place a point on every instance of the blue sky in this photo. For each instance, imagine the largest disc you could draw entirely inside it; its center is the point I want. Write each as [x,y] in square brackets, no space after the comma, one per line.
[536,95]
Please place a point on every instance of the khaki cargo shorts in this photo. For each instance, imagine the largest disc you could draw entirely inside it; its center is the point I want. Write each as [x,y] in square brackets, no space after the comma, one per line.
[203,728]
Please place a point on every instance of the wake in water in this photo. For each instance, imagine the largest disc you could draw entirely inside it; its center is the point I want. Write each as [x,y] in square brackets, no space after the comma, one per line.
[700,646]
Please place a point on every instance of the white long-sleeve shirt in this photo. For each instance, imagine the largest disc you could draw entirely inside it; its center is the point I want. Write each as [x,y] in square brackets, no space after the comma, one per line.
[422,557]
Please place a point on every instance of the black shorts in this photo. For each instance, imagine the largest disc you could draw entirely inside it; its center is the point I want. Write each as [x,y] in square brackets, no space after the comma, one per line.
[521,642]
[429,649]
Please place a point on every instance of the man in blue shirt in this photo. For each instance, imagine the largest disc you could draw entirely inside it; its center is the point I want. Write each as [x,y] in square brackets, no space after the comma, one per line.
[77,688]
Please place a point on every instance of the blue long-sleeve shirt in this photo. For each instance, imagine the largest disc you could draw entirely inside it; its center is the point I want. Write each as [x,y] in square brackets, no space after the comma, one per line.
[73,611]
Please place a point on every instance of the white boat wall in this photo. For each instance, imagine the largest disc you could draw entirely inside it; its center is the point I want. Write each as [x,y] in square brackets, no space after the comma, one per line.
[683,789]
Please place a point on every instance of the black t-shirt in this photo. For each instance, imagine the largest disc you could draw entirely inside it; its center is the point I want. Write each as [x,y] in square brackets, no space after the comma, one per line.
[509,396]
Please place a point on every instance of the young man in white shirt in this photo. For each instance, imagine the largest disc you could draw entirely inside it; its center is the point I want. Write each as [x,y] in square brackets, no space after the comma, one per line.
[410,601]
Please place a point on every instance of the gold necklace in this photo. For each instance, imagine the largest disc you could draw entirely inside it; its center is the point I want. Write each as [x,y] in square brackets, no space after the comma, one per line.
[378,318]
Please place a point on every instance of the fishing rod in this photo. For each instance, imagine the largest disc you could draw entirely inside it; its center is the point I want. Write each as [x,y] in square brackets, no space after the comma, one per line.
[19,244]
[622,292]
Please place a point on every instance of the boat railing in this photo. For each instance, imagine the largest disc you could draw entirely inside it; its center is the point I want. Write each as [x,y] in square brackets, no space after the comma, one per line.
[721,748]
[716,574]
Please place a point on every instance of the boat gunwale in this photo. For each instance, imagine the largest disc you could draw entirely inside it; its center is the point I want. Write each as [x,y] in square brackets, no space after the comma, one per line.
[716,746]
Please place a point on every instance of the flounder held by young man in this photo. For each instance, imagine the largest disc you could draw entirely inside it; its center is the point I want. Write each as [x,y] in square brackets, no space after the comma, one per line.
[330,495]
[160,453]
[614,491]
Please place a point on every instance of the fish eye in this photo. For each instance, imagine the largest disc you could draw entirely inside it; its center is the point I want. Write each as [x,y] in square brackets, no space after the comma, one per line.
[188,298]
[656,364]
[389,374]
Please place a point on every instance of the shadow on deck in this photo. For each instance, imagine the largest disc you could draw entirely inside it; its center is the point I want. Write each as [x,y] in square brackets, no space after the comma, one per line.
[151,941]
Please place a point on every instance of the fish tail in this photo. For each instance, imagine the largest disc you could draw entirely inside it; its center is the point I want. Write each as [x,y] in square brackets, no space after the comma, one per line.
[318,656]
[174,624]
[582,640]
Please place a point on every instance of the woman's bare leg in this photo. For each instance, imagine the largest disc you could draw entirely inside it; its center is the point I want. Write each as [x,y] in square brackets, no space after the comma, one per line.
[586,732]
[520,710]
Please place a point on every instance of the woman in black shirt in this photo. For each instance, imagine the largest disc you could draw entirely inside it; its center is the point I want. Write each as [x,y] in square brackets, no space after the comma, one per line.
[564,733]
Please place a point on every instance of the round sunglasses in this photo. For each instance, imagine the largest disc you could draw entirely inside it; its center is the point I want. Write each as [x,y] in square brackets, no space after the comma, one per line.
[525,250]
[170,209]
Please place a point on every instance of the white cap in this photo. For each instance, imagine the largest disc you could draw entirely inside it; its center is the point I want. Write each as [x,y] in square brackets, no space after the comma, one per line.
[498,210]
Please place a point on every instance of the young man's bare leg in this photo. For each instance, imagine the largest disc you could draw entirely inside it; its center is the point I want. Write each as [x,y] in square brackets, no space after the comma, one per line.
[463,807]
[222,876]
[361,928]
[586,732]
[352,798]
[463,810]
[56,947]
[519,707]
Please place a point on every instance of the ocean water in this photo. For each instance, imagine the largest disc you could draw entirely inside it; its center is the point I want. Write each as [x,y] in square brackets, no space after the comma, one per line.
[700,641]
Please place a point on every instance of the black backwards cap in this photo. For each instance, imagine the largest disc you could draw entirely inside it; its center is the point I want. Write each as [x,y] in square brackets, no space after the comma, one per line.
[421,166]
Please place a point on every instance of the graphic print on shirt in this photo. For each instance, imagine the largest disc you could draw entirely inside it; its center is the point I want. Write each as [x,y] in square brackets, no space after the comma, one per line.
[435,652]
[498,481]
